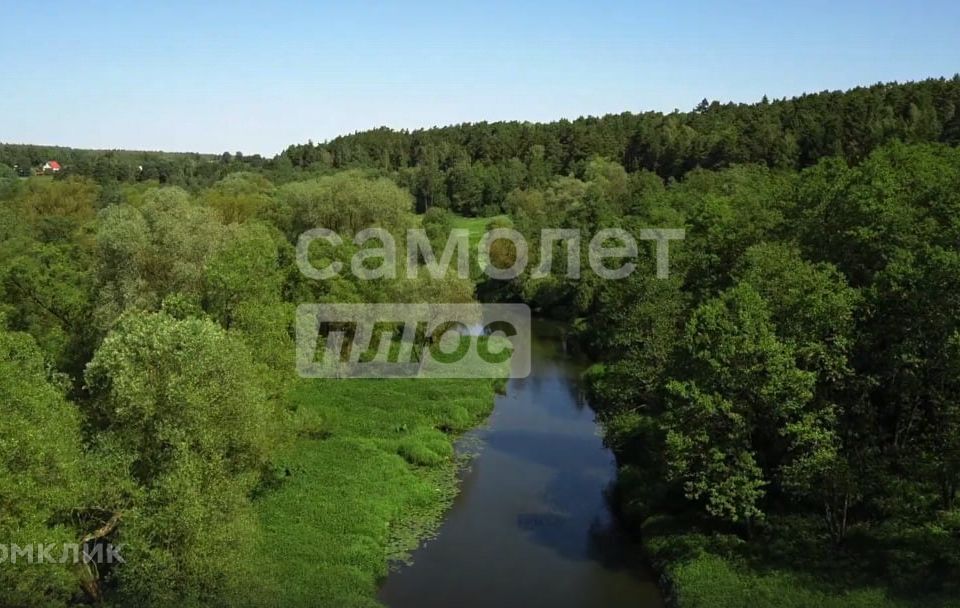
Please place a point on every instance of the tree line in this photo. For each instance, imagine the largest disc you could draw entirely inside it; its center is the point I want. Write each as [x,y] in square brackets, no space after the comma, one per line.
[471,168]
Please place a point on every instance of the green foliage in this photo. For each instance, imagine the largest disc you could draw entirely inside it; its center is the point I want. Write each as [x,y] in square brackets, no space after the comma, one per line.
[239,197]
[245,269]
[473,168]
[9,182]
[438,223]
[185,404]
[41,474]
[346,203]
[716,569]
[799,365]
[810,304]
[56,210]
[47,288]
[379,476]
[712,581]
[148,253]
[788,394]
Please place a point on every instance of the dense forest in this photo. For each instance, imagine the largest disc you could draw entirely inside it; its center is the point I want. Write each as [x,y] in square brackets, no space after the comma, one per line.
[471,168]
[783,406]
[786,399]
[151,400]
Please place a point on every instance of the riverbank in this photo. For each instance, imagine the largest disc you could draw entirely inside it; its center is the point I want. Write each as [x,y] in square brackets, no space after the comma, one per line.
[370,475]
[698,571]
[786,559]
[699,566]
[532,525]
[705,571]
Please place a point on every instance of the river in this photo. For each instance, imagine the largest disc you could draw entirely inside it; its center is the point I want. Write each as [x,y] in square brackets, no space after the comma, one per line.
[532,525]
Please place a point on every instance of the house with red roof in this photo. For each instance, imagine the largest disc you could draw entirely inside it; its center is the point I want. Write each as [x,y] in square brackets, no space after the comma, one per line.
[51,165]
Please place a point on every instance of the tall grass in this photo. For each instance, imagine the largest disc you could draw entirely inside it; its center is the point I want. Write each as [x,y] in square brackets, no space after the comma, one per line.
[371,473]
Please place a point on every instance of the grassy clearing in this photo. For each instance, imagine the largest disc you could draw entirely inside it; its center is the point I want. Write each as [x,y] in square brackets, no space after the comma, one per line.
[710,580]
[704,571]
[476,225]
[371,473]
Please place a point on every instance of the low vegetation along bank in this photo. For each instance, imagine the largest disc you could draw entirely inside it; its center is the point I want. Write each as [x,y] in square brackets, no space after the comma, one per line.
[367,478]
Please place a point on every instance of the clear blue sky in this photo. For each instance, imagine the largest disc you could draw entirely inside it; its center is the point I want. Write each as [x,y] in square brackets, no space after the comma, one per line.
[213,76]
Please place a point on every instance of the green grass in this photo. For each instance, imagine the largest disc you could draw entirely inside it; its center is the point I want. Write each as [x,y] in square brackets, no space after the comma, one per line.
[704,571]
[711,581]
[370,475]
[476,225]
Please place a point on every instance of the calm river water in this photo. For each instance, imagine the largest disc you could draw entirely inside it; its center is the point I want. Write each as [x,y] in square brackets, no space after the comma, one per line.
[532,525]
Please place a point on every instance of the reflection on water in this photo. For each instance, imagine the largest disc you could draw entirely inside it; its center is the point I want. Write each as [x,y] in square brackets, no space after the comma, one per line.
[531,526]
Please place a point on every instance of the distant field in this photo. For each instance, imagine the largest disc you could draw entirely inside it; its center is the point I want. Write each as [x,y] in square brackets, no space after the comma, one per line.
[476,225]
